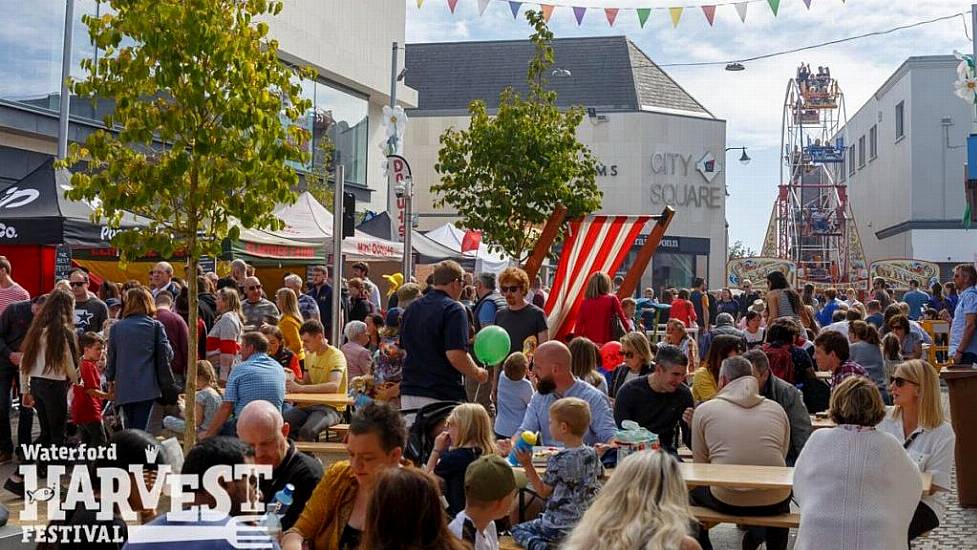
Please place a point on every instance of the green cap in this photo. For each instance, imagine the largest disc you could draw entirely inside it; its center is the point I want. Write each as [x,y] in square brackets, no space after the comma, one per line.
[489,478]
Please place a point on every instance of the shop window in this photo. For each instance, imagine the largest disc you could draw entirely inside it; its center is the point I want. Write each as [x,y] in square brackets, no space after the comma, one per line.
[861,152]
[900,127]
[873,143]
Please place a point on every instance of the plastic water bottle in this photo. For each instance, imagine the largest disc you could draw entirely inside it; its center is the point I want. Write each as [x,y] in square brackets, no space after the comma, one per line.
[276,510]
[524,443]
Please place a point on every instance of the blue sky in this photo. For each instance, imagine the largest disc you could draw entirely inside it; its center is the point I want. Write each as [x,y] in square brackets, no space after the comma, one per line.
[750,101]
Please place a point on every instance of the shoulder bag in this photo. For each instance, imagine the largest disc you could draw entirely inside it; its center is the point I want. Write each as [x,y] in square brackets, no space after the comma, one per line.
[169,392]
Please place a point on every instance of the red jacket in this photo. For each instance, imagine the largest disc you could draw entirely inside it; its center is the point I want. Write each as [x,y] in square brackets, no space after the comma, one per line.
[594,318]
[684,311]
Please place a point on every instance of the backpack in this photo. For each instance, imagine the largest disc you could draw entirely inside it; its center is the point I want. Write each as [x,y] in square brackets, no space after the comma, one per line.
[420,439]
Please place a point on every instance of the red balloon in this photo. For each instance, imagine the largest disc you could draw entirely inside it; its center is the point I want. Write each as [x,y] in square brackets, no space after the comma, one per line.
[611,355]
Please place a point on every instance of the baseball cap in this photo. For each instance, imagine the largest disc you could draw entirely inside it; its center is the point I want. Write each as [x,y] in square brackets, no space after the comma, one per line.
[393,317]
[112,302]
[489,478]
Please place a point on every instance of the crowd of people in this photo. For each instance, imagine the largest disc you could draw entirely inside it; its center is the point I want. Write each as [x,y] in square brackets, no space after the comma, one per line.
[734,380]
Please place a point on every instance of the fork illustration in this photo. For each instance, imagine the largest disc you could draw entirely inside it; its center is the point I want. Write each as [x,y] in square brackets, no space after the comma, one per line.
[242,532]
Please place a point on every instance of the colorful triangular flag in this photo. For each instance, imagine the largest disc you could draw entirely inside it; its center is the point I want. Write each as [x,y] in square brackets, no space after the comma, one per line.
[611,14]
[710,13]
[966,217]
[579,13]
[514,6]
[643,14]
[741,10]
[547,11]
[482,4]
[452,4]
[774,6]
[808,3]
[676,14]
[419,2]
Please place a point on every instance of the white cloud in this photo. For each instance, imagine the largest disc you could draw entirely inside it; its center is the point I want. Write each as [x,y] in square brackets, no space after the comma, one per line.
[750,101]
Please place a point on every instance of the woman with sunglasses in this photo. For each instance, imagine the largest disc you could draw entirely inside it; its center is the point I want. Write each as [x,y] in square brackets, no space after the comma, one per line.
[626,515]
[917,421]
[637,361]
[910,342]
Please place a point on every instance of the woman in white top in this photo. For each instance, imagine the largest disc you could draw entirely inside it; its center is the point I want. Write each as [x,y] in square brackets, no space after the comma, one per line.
[917,421]
[48,366]
[855,486]
[224,338]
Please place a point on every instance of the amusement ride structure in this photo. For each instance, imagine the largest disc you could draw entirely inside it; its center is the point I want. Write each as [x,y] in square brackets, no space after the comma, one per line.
[811,228]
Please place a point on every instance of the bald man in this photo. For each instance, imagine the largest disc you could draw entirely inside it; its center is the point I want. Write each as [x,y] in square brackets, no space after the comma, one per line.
[257,310]
[551,364]
[261,426]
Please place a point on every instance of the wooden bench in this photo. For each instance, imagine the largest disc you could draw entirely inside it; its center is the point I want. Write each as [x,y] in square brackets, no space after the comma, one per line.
[710,518]
[326,451]
[338,431]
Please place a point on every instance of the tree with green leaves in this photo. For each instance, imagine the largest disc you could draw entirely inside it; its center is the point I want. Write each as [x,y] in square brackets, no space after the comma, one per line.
[507,173]
[202,120]
[740,250]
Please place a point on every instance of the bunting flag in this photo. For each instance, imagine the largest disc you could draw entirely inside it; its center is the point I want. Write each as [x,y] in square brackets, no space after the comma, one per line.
[579,13]
[710,13]
[547,11]
[514,6]
[482,4]
[419,2]
[594,243]
[676,14]
[808,3]
[741,10]
[774,6]
[611,14]
[643,14]
[452,4]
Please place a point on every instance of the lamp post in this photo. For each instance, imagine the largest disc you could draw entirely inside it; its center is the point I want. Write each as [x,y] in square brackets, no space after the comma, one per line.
[744,158]
[69,15]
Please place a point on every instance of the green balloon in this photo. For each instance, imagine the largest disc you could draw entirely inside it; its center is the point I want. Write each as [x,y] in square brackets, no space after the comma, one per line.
[492,345]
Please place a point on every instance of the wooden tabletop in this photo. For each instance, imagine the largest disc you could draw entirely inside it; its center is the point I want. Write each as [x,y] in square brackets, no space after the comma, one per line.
[818,423]
[328,399]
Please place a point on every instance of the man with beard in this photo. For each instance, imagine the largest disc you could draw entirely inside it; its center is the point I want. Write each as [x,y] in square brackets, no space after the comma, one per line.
[209,453]
[555,380]
[658,401]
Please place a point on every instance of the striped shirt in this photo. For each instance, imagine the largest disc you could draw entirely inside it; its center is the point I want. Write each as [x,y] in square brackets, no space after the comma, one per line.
[11,294]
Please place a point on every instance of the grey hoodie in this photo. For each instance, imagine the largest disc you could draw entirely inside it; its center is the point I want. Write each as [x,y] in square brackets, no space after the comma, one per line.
[739,426]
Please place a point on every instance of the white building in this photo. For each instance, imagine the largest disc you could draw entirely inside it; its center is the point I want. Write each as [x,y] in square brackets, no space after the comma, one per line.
[904,168]
[653,139]
[347,42]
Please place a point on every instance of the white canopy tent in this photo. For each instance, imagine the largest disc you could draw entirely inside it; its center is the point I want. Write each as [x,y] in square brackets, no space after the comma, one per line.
[308,221]
[451,237]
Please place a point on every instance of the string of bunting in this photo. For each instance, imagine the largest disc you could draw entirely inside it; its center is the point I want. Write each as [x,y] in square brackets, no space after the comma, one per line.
[674,12]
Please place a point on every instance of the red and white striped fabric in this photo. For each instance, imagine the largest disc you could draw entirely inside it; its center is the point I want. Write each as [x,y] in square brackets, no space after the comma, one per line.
[594,243]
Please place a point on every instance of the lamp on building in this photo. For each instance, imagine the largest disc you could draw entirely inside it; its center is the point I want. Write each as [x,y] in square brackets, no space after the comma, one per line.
[561,73]
[744,158]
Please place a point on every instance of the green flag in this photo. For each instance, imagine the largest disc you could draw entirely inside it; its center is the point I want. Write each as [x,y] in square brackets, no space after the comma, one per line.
[643,14]
[774,5]
[966,217]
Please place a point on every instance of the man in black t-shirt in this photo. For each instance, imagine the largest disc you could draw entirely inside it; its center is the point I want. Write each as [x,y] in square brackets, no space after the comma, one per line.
[261,426]
[658,401]
[525,323]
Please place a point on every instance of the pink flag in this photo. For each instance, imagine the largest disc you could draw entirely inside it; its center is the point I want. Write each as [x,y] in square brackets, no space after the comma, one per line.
[611,14]
[710,13]
[547,11]
[452,4]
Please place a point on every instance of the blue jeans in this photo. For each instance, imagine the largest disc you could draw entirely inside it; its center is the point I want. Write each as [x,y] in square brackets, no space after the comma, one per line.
[136,414]
[531,535]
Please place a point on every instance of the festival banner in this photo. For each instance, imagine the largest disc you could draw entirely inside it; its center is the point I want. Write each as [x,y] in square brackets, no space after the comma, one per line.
[756,269]
[897,272]
[675,11]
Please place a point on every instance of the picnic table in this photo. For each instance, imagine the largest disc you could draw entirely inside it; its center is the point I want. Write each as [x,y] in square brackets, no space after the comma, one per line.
[328,399]
[818,422]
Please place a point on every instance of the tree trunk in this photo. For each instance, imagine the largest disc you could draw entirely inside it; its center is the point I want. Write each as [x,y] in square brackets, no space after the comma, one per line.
[190,435]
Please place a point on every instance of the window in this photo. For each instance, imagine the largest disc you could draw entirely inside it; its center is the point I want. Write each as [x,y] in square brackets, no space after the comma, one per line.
[842,170]
[861,152]
[873,142]
[900,128]
[851,160]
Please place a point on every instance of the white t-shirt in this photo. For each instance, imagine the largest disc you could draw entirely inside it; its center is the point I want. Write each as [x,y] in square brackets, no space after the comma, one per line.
[484,540]
[840,326]
[931,450]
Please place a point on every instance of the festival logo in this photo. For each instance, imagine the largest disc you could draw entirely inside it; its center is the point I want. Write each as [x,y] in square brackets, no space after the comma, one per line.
[708,166]
[15,197]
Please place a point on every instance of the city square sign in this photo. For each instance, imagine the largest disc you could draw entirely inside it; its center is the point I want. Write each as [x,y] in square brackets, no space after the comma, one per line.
[680,166]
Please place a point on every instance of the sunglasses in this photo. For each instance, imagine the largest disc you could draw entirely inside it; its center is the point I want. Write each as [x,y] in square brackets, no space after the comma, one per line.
[896,327]
[77,284]
[254,287]
[510,288]
[900,382]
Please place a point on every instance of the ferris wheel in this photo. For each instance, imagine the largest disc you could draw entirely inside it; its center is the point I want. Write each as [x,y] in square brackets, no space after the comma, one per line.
[811,223]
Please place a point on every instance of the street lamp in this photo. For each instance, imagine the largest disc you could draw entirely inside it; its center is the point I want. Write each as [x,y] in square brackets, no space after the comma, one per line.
[735,67]
[744,158]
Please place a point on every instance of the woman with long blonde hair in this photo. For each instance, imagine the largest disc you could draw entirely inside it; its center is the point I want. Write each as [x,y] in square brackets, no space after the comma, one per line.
[291,320]
[643,506]
[917,420]
[467,435]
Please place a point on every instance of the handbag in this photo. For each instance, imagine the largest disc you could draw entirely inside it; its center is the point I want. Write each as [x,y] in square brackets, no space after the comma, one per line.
[617,327]
[169,392]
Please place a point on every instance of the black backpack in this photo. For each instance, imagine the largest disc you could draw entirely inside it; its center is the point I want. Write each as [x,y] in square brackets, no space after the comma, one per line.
[420,439]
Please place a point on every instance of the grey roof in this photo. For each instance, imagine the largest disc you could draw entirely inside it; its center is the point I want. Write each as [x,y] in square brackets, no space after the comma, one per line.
[608,73]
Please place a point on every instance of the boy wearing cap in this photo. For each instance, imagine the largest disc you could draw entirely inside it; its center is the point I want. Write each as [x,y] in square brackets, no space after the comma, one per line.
[490,486]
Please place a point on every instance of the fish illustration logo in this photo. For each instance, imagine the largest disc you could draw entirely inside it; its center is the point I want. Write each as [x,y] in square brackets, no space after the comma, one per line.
[43,494]
[152,451]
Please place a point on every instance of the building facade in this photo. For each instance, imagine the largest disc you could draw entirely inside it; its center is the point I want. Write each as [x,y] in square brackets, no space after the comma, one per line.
[348,94]
[657,145]
[905,162]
